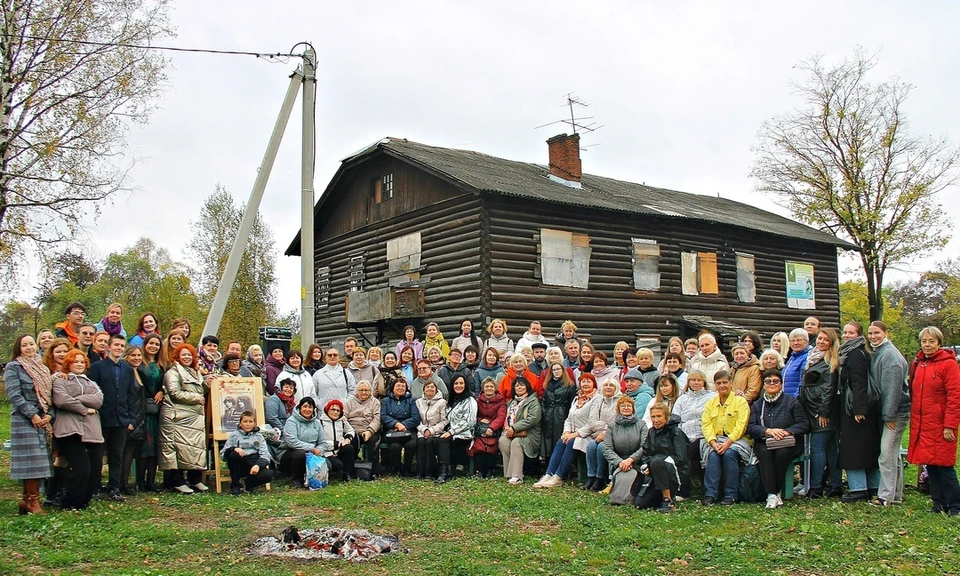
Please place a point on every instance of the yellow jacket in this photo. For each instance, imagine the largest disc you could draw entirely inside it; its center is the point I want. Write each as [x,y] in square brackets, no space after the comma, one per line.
[729,419]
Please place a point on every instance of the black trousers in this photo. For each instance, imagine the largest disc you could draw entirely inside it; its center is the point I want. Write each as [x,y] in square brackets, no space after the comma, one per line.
[131,453]
[693,457]
[393,450]
[944,489]
[663,476]
[294,463]
[458,453]
[240,468]
[82,479]
[372,446]
[773,464]
[176,478]
[343,460]
[484,463]
[114,441]
[429,451]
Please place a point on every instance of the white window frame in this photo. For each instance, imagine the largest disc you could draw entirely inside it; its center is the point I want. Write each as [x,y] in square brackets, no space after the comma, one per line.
[645,255]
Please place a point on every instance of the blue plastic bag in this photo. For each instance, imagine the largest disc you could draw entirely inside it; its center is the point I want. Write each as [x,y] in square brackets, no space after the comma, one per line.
[318,473]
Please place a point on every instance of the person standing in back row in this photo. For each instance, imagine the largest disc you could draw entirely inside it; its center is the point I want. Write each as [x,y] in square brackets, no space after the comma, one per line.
[118,411]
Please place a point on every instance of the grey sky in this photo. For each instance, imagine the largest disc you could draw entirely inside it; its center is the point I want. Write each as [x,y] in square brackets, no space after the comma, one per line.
[681,88]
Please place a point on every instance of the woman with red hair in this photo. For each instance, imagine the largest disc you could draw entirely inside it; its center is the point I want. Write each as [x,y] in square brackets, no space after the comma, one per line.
[183,439]
[77,430]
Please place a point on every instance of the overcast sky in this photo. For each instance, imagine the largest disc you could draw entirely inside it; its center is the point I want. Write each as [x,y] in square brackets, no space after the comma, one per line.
[681,89]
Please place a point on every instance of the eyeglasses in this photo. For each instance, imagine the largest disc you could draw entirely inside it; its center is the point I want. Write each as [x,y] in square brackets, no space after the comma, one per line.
[332,355]
[78,313]
[772,381]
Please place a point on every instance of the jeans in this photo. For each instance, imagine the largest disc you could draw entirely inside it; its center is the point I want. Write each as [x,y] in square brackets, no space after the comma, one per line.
[727,467]
[891,466]
[944,489]
[597,465]
[823,451]
[862,480]
[561,458]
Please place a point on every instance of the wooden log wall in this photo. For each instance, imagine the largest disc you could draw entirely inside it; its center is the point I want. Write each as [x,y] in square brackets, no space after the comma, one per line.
[610,309]
[450,256]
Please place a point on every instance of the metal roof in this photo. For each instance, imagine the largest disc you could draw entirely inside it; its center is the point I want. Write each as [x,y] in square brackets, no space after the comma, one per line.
[484,173]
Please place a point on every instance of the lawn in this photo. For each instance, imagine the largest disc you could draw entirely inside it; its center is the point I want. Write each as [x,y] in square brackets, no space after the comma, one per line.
[472,526]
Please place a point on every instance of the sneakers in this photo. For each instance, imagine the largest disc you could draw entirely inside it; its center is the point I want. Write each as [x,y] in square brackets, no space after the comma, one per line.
[116,496]
[515,480]
[541,483]
[183,489]
[200,487]
[666,507]
[708,501]
[553,482]
[728,502]
[773,501]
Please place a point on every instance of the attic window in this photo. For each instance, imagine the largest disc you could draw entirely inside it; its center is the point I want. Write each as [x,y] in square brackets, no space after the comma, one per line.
[383,188]
[646,264]
[699,273]
[564,258]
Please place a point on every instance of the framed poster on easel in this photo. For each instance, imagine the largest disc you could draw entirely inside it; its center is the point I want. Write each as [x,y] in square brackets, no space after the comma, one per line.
[229,398]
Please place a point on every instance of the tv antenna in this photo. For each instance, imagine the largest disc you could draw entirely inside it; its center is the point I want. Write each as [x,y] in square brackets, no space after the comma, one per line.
[576,123]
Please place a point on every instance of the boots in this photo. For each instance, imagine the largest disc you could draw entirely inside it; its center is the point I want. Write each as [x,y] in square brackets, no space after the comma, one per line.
[23,500]
[32,498]
[444,475]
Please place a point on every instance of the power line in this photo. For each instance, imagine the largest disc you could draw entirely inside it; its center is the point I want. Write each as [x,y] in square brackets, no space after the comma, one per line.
[163,48]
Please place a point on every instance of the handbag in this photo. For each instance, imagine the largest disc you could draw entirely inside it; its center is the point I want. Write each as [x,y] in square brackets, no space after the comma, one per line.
[786,442]
[396,436]
[151,406]
[364,471]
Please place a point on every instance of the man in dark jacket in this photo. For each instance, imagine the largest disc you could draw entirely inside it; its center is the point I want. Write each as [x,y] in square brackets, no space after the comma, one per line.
[453,368]
[117,381]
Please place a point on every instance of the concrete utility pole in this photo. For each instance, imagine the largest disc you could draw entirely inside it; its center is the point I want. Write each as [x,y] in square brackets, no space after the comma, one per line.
[307,287]
[304,76]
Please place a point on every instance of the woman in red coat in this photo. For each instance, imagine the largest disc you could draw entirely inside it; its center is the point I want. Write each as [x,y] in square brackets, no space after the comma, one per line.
[934,418]
[517,366]
[491,416]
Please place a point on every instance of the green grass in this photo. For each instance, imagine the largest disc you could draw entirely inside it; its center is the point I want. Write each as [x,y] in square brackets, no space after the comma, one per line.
[476,527]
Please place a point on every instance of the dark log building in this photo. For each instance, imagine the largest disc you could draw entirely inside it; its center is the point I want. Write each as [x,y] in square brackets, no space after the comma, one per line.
[407,233]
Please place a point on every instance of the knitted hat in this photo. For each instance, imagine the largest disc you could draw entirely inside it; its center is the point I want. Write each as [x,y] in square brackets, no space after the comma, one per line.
[332,403]
[633,374]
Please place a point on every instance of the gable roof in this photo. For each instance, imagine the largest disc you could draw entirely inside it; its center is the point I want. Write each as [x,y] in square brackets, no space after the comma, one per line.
[484,173]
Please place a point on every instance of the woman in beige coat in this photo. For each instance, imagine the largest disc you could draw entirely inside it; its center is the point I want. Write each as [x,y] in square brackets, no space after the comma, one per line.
[183,438]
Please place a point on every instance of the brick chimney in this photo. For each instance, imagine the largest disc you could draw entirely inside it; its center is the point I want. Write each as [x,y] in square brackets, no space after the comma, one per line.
[565,157]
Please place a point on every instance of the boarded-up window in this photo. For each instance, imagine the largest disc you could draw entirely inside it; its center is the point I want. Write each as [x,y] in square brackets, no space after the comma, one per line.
[646,264]
[403,260]
[357,274]
[688,266]
[323,286]
[564,258]
[746,278]
[707,271]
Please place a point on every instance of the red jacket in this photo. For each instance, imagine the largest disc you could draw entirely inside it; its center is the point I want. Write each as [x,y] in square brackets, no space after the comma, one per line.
[495,410]
[506,383]
[935,405]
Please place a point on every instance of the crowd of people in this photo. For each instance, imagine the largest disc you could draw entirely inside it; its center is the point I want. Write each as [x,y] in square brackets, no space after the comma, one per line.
[647,433]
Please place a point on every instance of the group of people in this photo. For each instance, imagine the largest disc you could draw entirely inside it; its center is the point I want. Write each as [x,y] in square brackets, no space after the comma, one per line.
[636,429]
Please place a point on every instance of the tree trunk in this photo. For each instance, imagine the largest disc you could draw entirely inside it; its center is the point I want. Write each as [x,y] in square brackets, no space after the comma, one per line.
[874,290]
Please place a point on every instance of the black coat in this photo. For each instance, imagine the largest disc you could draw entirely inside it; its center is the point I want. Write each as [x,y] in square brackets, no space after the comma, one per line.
[448,374]
[859,442]
[119,407]
[785,413]
[556,407]
[818,396]
[668,441]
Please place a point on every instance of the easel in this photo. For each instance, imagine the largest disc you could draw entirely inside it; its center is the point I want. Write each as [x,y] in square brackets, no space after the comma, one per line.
[251,388]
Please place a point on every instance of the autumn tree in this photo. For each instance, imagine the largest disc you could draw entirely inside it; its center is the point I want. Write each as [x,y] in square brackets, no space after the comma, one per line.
[252,301]
[844,161]
[72,83]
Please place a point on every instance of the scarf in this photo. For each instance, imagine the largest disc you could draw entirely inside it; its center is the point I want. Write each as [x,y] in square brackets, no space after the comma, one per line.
[208,364]
[626,420]
[773,398]
[42,385]
[584,398]
[635,393]
[849,346]
[814,356]
[288,401]
[111,329]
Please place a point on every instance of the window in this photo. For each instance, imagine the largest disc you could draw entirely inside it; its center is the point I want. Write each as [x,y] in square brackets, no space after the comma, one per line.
[646,264]
[564,258]
[356,271]
[699,273]
[746,278]
[383,188]
[323,287]
[403,260]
